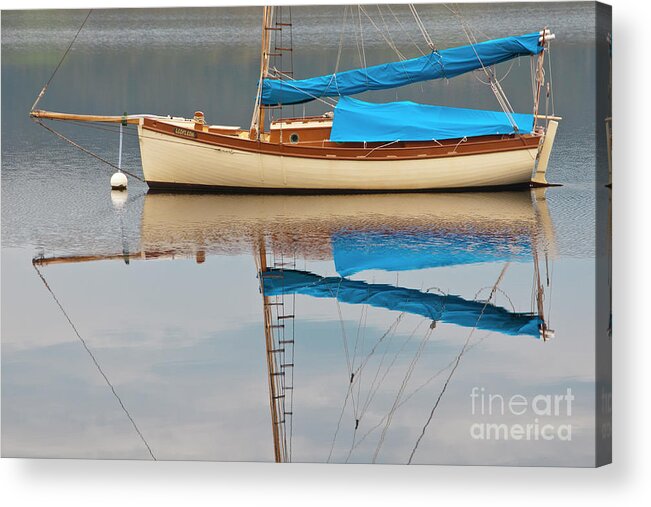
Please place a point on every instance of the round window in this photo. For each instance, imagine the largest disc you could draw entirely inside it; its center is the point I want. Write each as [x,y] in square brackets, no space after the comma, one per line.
[293,138]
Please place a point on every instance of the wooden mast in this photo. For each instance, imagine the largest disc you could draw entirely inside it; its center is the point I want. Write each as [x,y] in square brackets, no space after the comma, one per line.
[274,391]
[257,122]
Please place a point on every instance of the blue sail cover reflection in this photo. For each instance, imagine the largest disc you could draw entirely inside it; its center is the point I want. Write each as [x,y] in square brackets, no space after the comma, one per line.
[439,308]
[356,251]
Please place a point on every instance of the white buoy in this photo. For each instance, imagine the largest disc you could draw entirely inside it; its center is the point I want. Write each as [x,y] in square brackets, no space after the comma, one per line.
[119,181]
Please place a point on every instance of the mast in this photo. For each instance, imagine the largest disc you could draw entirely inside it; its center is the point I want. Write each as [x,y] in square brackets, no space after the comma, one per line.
[257,122]
[276,417]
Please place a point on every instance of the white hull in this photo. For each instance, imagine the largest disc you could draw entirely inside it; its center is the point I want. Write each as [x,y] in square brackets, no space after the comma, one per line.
[169,160]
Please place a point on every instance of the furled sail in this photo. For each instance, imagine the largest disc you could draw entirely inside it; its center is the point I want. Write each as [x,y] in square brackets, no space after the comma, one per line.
[441,308]
[359,121]
[446,63]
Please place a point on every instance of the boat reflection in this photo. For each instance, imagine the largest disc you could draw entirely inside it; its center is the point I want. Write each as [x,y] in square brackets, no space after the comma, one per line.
[452,228]
[389,232]
[359,234]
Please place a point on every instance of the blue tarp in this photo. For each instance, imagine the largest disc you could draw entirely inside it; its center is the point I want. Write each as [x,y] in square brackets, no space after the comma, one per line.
[446,63]
[358,121]
[356,251]
[440,308]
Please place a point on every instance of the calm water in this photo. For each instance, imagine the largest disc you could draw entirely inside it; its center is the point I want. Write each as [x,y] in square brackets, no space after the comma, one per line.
[167,304]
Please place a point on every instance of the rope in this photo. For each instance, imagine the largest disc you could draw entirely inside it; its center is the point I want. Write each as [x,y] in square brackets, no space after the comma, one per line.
[353,377]
[405,31]
[40,95]
[456,364]
[341,415]
[99,368]
[388,39]
[495,85]
[382,146]
[361,39]
[88,152]
[320,99]
[341,45]
[421,26]
[405,381]
[418,389]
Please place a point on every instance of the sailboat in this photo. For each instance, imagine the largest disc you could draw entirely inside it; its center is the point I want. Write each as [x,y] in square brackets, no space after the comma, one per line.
[360,146]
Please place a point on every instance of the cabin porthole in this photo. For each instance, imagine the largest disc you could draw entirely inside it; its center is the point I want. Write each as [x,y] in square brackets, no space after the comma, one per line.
[293,138]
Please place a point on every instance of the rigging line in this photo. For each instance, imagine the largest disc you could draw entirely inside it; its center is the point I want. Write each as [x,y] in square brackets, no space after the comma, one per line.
[456,363]
[99,368]
[403,385]
[490,74]
[358,418]
[375,388]
[387,40]
[341,45]
[341,415]
[88,152]
[359,327]
[405,31]
[501,291]
[419,388]
[351,384]
[288,83]
[361,52]
[359,379]
[352,445]
[496,78]
[532,65]
[421,26]
[343,328]
[386,28]
[448,366]
[368,357]
[372,392]
[551,80]
[40,95]
[344,338]
[134,134]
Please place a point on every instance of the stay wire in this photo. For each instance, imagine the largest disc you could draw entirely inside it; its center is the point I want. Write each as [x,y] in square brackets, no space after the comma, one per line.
[40,95]
[92,356]
[456,364]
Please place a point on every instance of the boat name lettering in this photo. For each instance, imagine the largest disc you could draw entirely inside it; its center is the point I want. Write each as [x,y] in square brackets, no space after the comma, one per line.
[185,132]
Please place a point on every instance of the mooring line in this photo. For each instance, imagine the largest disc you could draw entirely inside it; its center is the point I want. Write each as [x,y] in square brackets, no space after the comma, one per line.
[88,152]
[99,368]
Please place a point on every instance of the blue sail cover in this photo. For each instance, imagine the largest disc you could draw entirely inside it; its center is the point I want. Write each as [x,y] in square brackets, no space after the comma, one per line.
[358,121]
[448,308]
[356,251]
[447,63]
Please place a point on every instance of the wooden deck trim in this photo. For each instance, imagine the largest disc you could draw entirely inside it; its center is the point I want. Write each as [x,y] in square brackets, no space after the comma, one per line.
[373,151]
